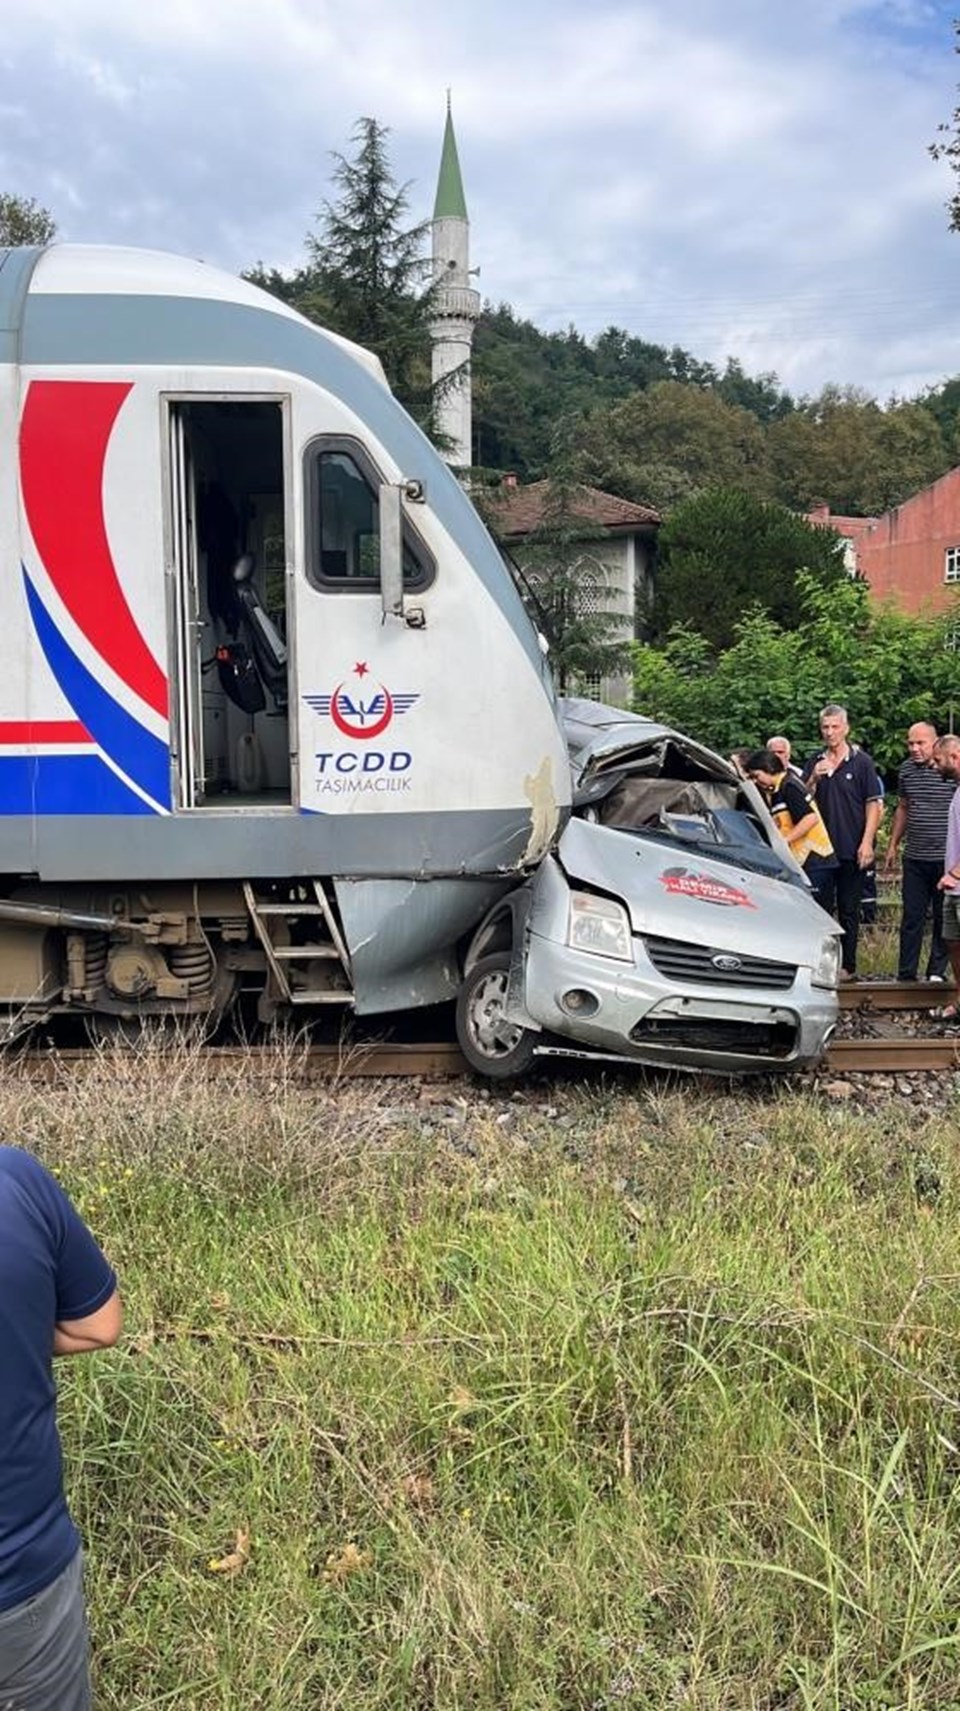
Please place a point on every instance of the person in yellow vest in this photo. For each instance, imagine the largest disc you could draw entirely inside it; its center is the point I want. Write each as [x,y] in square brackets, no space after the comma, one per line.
[795,814]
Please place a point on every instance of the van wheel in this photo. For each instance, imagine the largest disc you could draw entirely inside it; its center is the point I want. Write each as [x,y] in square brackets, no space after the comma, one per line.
[491,1045]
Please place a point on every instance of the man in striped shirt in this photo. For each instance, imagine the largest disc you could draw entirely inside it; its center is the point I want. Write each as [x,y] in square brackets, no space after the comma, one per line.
[946,757]
[924,795]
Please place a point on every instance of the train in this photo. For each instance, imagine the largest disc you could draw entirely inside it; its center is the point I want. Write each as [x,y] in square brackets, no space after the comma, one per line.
[274,719]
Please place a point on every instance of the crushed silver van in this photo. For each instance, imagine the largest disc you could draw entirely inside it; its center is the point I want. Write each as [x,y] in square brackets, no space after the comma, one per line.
[669,926]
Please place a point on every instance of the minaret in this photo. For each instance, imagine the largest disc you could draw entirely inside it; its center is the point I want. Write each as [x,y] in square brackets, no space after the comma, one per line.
[456,306]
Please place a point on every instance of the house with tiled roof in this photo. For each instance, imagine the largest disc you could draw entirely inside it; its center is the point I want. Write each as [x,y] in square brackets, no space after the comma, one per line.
[610,555]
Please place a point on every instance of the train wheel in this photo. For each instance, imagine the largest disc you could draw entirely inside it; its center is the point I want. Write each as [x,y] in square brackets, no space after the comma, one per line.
[140,1030]
[142,1033]
[491,1045]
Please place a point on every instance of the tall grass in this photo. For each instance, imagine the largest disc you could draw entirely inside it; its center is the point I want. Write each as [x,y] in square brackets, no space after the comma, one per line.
[625,1394]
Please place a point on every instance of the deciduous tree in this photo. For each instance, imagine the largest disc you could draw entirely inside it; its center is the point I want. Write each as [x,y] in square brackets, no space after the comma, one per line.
[664,445]
[948,149]
[24,221]
[725,551]
[842,449]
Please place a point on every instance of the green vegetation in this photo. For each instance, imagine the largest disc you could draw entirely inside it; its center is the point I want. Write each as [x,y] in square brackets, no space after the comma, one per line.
[366,275]
[620,1394]
[842,448]
[669,443]
[723,552]
[24,221]
[948,148]
[887,668]
[654,424]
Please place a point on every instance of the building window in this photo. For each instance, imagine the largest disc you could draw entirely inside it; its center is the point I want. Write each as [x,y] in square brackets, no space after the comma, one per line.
[343,523]
[951,565]
[849,554]
[589,686]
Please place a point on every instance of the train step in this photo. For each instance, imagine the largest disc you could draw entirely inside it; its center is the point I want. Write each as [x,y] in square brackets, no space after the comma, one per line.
[304,953]
[296,932]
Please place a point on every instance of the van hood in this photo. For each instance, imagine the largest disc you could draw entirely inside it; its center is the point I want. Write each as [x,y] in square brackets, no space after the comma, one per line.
[599,738]
[677,893]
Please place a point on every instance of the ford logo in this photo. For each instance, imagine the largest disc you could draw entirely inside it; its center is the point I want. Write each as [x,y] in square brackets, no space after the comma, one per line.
[727,964]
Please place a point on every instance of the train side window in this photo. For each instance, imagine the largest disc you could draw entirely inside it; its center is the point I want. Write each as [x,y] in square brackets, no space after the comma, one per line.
[343,523]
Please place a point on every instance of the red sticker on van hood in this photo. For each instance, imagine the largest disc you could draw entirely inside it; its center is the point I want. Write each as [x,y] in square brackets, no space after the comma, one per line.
[683,882]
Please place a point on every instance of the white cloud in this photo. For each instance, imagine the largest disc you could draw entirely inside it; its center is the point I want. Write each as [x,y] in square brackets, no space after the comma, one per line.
[750,179]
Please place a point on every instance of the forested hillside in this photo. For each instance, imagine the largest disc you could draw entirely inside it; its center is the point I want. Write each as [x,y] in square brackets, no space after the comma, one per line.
[659,425]
[651,424]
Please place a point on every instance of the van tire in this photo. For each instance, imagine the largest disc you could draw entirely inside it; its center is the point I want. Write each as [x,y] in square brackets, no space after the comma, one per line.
[492,1047]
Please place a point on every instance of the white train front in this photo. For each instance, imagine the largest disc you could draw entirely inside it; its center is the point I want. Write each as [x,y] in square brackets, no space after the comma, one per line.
[264,677]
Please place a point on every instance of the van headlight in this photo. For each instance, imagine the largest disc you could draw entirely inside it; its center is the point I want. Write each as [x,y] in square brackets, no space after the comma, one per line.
[599,925]
[826,969]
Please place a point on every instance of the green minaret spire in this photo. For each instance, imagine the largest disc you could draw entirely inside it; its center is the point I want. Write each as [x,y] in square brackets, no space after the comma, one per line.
[450,198]
[454,306]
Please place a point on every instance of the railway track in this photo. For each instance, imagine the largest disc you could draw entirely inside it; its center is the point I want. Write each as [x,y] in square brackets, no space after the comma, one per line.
[883,1049]
[870,995]
[890,1056]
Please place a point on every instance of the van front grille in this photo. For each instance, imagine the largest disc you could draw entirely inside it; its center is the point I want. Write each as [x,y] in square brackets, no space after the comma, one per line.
[684,962]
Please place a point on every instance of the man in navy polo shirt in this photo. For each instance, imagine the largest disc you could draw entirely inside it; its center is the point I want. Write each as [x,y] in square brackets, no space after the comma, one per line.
[58,1296]
[844,784]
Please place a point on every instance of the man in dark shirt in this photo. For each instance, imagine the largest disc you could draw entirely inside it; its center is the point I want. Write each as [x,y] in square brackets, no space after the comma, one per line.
[924,796]
[846,789]
[58,1296]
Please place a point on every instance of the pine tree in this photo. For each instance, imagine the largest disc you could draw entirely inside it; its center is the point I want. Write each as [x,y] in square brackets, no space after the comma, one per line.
[369,270]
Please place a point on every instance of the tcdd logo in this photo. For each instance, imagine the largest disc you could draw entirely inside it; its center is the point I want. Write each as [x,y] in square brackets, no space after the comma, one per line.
[357,716]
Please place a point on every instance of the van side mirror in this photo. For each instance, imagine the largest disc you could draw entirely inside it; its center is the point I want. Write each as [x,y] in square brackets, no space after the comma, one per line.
[391,551]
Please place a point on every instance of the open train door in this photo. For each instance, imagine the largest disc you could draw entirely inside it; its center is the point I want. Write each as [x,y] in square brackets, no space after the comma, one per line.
[228,565]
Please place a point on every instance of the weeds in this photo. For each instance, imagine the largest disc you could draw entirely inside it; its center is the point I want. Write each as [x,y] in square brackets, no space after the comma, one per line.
[631,1394]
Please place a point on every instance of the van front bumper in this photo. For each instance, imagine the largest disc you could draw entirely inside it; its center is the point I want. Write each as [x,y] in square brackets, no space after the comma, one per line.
[633,1012]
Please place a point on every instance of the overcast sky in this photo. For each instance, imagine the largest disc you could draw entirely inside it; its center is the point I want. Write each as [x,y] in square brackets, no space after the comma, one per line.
[741,177]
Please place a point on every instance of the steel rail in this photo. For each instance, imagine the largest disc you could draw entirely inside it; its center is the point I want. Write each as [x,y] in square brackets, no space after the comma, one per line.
[298,1063]
[892,1056]
[867,995]
[301,1065]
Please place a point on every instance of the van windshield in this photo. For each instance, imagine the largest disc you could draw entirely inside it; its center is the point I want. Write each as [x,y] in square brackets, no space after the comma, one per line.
[708,815]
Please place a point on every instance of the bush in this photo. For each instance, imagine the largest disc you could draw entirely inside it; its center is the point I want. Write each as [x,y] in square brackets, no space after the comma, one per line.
[886,668]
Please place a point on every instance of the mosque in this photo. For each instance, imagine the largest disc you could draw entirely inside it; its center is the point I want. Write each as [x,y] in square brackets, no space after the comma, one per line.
[613,556]
[457,306]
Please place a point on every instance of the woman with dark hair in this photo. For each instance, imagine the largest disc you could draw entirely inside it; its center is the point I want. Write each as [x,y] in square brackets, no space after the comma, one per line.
[795,814]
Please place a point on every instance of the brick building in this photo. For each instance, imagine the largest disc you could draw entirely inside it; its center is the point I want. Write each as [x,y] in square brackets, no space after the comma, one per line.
[910,555]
